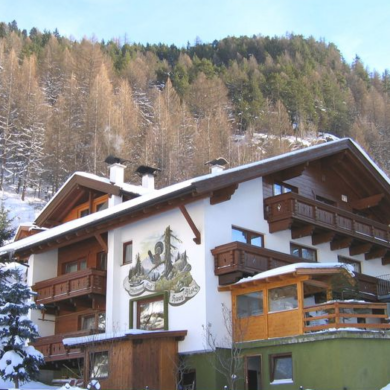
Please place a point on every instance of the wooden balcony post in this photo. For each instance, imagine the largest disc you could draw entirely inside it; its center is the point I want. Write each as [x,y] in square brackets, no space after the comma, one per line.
[337,315]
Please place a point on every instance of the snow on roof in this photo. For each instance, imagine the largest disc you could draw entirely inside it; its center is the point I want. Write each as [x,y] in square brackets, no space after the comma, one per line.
[80,222]
[77,173]
[294,267]
[127,187]
[148,196]
[106,336]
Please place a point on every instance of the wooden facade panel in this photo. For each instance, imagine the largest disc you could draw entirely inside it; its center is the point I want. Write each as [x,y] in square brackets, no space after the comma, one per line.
[285,323]
[252,328]
[67,324]
[317,180]
[87,249]
[75,212]
[137,364]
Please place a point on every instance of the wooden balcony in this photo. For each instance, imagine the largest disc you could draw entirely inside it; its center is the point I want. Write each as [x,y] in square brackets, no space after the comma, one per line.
[339,315]
[236,260]
[325,223]
[53,349]
[75,284]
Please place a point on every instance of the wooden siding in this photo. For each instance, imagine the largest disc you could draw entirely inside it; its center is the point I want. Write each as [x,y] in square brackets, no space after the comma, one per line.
[75,212]
[318,180]
[87,249]
[137,364]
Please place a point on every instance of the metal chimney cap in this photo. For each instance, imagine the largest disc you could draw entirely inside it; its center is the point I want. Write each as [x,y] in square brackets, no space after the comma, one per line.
[217,161]
[145,170]
[114,160]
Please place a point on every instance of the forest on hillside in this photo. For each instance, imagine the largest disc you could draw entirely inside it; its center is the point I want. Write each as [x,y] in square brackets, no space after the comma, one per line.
[65,105]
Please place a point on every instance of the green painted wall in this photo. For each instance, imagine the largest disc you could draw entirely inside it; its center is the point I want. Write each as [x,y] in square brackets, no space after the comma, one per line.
[207,377]
[333,361]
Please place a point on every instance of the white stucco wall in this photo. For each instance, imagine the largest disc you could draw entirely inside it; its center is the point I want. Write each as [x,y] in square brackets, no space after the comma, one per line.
[41,267]
[189,316]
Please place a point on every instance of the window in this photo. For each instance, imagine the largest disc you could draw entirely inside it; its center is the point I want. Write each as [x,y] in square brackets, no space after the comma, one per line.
[150,313]
[303,252]
[249,304]
[102,261]
[357,267]
[98,364]
[247,236]
[283,298]
[84,213]
[101,206]
[94,322]
[282,188]
[281,368]
[75,266]
[128,252]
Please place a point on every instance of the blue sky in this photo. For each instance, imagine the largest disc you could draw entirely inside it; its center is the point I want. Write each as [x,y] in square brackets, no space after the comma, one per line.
[356,26]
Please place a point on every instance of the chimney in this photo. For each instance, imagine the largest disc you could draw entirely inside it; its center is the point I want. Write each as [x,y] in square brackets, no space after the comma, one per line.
[117,173]
[117,169]
[147,174]
[217,165]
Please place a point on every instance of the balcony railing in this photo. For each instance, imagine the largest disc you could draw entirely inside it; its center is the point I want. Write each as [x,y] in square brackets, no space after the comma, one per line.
[236,260]
[282,210]
[75,284]
[53,349]
[239,259]
[339,315]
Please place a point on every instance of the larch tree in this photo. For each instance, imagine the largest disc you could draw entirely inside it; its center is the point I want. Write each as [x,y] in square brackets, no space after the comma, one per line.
[31,129]
[9,72]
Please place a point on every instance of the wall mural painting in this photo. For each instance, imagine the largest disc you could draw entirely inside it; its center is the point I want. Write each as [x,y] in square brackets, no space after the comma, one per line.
[162,266]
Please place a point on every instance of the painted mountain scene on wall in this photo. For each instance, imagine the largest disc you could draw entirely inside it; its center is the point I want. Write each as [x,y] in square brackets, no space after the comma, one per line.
[162,266]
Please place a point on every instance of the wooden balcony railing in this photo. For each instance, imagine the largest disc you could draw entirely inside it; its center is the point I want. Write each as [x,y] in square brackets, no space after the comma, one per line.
[238,259]
[75,284]
[235,260]
[282,210]
[53,349]
[339,314]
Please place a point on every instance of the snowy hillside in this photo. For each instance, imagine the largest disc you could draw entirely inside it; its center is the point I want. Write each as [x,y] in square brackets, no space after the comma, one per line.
[18,210]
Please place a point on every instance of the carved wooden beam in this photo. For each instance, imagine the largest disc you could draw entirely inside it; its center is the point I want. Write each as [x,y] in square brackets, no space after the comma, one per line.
[321,238]
[223,194]
[303,231]
[386,260]
[359,249]
[366,203]
[189,220]
[375,253]
[341,244]
[101,241]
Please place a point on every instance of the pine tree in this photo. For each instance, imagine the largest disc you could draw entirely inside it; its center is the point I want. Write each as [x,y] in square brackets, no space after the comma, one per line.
[19,361]
[6,229]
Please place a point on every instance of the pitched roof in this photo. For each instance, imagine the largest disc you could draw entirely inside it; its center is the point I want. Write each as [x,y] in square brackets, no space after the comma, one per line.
[193,189]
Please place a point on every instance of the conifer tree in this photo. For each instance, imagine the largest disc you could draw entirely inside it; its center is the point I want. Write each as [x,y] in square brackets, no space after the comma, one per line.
[19,361]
